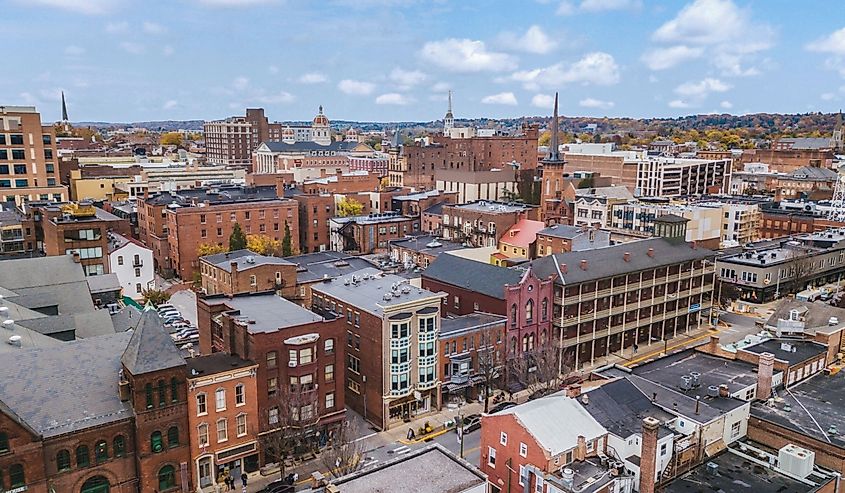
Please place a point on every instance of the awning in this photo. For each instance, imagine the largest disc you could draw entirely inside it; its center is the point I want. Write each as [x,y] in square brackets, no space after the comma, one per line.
[714,448]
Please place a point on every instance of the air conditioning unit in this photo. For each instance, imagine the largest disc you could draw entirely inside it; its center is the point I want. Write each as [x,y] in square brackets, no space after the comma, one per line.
[796,460]
[291,364]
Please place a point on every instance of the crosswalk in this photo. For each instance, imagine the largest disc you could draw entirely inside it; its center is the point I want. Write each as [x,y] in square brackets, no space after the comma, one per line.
[402,450]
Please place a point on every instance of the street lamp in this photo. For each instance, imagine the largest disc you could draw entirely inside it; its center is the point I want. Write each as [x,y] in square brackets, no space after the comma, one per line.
[460,428]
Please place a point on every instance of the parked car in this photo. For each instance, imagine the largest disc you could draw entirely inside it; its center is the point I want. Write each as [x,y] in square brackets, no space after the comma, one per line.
[278,486]
[169,311]
[501,406]
[472,422]
[164,306]
[179,325]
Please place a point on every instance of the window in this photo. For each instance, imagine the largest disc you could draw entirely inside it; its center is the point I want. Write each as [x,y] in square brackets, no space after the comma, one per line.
[271,359]
[662,449]
[240,397]
[174,390]
[329,373]
[101,452]
[544,308]
[138,287]
[252,281]
[162,393]
[529,311]
[523,475]
[201,405]
[222,431]
[63,460]
[273,416]
[306,356]
[330,400]
[354,364]
[16,139]
[513,315]
[82,457]
[119,446]
[166,478]
[16,476]
[523,449]
[220,400]
[155,442]
[137,272]
[4,443]
[148,390]
[735,429]
[120,260]
[293,358]
[503,438]
[328,346]
[173,437]
[491,457]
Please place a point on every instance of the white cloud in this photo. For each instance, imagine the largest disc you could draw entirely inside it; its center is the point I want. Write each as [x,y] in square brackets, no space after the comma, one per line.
[596,103]
[828,96]
[152,27]
[677,103]
[394,98]
[833,43]
[407,78]
[276,98]
[132,48]
[233,3]
[169,105]
[726,105]
[87,7]
[545,101]
[73,50]
[567,7]
[312,78]
[594,68]
[28,99]
[663,58]
[356,87]
[506,98]
[465,55]
[441,87]
[240,83]
[533,41]
[117,27]
[701,89]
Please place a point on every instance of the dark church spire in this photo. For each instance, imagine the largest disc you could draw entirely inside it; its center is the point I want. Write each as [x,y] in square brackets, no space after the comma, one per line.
[64,109]
[553,157]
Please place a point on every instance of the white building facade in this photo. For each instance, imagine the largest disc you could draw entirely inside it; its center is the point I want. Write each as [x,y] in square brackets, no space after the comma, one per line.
[133,264]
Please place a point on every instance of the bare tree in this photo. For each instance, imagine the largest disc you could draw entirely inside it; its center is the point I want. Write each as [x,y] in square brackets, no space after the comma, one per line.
[292,417]
[490,364]
[537,369]
[345,452]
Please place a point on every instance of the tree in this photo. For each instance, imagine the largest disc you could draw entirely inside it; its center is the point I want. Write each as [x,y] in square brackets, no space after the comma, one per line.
[154,296]
[287,247]
[292,416]
[237,240]
[171,139]
[349,207]
[538,369]
[490,364]
[345,453]
[727,292]
[263,245]
[209,249]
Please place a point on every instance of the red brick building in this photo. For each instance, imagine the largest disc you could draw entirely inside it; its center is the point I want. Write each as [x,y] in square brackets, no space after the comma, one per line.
[360,181]
[244,271]
[371,233]
[482,223]
[465,341]
[315,211]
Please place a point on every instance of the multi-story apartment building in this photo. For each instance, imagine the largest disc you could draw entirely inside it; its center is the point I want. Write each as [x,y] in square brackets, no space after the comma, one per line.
[594,206]
[609,299]
[473,351]
[244,271]
[704,224]
[786,266]
[300,357]
[560,238]
[230,142]
[482,223]
[371,233]
[29,167]
[779,219]
[223,417]
[494,185]
[740,221]
[391,344]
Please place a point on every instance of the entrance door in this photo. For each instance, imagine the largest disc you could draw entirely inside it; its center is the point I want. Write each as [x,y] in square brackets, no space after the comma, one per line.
[235,469]
[206,478]
[97,484]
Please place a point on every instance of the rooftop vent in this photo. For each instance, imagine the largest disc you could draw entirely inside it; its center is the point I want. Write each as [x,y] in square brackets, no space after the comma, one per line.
[15,340]
[8,324]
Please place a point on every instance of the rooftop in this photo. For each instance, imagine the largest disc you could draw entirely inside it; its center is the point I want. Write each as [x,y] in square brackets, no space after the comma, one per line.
[243,260]
[523,233]
[490,207]
[469,323]
[815,143]
[613,192]
[815,315]
[483,278]
[265,312]
[150,349]
[436,209]
[316,266]
[215,363]
[427,244]
[432,469]
[369,289]
[333,179]
[620,407]
[308,146]
[213,195]
[792,351]
[374,218]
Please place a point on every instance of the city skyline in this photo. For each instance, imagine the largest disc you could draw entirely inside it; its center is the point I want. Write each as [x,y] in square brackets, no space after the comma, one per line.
[389,60]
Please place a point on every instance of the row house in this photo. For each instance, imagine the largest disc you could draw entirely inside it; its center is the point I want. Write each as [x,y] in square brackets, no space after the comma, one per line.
[244,271]
[371,233]
[483,223]
[472,356]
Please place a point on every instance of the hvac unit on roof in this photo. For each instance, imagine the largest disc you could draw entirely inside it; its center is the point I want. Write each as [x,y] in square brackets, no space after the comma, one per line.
[796,460]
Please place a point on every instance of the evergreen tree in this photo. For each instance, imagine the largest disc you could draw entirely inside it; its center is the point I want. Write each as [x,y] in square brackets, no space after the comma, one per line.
[287,248]
[237,240]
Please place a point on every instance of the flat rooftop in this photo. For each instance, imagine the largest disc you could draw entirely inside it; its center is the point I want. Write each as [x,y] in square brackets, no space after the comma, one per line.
[428,244]
[590,476]
[375,218]
[789,350]
[266,312]
[373,291]
[767,256]
[429,470]
[215,363]
[243,260]
[811,407]
[490,207]
[469,323]
[315,266]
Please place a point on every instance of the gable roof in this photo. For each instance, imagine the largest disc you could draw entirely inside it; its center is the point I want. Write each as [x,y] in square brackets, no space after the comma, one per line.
[150,349]
[486,279]
[620,407]
[524,233]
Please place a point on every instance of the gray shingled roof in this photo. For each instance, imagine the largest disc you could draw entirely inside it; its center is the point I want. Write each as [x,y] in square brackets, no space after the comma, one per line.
[310,146]
[150,348]
[65,388]
[475,276]
[242,259]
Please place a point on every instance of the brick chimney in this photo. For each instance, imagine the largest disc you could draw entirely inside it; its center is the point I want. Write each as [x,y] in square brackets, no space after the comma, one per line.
[280,187]
[76,258]
[765,367]
[234,276]
[584,264]
[650,252]
[713,345]
[626,256]
[648,454]
[573,390]
[581,448]
[563,268]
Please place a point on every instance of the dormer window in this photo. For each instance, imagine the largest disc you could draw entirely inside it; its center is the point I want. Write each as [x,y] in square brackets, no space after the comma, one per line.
[794,314]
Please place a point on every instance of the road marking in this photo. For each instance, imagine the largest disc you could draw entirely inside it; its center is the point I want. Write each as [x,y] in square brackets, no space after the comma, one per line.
[364,437]
[403,452]
[403,448]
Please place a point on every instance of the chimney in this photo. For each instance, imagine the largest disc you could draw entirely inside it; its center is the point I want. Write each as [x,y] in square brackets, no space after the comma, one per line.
[563,268]
[584,264]
[626,256]
[648,455]
[573,390]
[581,448]
[280,187]
[76,257]
[693,245]
[713,345]
[723,390]
[765,367]
[650,252]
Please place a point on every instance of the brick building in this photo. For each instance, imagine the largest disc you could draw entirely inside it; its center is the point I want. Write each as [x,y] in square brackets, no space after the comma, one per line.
[784,219]
[472,286]
[466,364]
[231,141]
[17,232]
[244,271]
[787,160]
[420,251]
[294,348]
[29,167]
[561,238]
[370,233]
[414,204]
[352,182]
[483,223]
[223,417]
[391,344]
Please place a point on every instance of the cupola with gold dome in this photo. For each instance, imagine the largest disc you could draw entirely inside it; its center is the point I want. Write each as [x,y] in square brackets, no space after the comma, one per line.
[320,129]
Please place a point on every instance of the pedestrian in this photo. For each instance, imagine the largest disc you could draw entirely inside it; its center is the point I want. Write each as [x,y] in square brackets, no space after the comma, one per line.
[243,478]
[243,490]
[231,483]
[295,477]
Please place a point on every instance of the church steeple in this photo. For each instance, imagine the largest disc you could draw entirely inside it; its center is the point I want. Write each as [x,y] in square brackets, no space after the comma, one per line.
[449,119]
[64,112]
[553,157]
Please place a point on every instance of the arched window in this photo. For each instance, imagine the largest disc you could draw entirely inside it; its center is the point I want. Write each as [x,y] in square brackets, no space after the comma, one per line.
[155,442]
[174,390]
[148,390]
[530,342]
[543,337]
[101,451]
[82,457]
[166,478]
[162,393]
[529,311]
[119,445]
[513,345]
[16,476]
[525,343]
[513,315]
[173,437]
[544,308]
[97,484]
[63,460]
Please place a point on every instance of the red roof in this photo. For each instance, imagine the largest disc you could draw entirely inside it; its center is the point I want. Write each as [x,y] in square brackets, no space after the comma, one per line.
[523,233]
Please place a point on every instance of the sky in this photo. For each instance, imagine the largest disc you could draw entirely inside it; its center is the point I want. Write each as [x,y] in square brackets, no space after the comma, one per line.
[394,60]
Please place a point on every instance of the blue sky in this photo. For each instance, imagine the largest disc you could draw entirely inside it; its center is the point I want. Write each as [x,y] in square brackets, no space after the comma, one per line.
[387,60]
